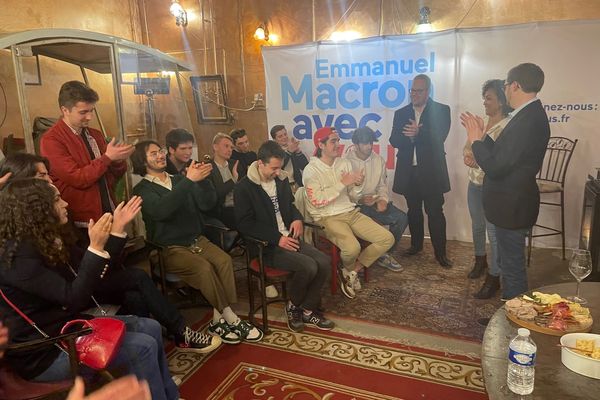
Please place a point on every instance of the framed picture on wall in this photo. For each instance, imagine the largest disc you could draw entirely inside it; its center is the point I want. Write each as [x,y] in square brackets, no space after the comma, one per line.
[210,99]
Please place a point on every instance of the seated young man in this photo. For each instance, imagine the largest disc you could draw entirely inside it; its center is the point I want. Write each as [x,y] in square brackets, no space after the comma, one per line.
[223,176]
[179,143]
[372,195]
[172,214]
[327,179]
[295,161]
[265,210]
[241,151]
[131,288]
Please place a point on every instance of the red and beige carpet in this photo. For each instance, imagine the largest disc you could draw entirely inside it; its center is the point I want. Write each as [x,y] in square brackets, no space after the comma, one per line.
[325,366]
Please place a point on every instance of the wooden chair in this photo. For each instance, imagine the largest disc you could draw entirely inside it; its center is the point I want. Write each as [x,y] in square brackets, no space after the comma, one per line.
[13,387]
[168,281]
[265,276]
[551,180]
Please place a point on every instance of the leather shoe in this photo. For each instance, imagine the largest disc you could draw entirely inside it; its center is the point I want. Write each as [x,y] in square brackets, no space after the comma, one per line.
[444,261]
[411,251]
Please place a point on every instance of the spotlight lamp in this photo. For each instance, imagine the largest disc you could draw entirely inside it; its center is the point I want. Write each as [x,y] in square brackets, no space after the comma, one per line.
[424,25]
[179,13]
[262,33]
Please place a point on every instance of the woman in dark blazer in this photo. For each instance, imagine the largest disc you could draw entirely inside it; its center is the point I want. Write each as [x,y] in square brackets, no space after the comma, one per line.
[36,275]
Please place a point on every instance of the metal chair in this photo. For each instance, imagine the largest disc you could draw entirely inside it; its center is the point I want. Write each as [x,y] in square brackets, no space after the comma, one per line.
[551,179]
[265,275]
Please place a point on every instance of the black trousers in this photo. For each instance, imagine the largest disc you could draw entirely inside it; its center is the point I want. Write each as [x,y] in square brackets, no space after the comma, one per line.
[137,294]
[416,197]
[311,269]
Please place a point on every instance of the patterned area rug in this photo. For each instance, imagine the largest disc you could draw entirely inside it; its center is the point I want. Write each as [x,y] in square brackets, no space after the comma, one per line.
[427,297]
[325,366]
[424,296]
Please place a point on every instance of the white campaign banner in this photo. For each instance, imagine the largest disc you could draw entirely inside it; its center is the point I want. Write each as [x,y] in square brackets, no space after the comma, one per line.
[362,83]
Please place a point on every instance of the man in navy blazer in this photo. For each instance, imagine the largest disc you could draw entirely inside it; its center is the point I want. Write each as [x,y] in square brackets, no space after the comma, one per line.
[419,132]
[511,198]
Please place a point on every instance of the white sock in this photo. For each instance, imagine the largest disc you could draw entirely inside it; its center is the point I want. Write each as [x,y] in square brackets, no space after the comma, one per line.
[230,316]
[216,315]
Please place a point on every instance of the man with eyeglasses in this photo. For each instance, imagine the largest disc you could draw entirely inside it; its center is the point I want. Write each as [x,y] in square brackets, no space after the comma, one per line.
[511,199]
[419,132]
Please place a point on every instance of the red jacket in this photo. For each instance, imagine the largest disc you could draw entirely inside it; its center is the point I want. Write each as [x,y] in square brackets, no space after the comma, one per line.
[75,174]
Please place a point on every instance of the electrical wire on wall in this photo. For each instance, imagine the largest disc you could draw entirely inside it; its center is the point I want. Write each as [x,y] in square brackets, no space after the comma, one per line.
[5,105]
[255,102]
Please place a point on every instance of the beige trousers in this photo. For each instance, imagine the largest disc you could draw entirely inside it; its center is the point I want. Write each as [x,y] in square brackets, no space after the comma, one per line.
[344,229]
[204,266]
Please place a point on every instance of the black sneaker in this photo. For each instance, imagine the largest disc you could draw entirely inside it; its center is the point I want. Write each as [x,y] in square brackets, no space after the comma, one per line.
[224,331]
[294,318]
[318,320]
[246,331]
[197,341]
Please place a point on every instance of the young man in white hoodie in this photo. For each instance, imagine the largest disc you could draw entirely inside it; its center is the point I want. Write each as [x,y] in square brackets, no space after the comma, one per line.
[327,179]
[372,195]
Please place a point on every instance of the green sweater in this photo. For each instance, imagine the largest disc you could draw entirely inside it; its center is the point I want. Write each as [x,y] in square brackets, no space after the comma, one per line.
[173,217]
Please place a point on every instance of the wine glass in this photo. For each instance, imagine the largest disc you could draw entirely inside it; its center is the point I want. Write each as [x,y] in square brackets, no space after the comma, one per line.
[580,266]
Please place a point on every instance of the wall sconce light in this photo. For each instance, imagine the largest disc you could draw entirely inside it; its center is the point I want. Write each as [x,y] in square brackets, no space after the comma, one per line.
[424,25]
[179,13]
[262,33]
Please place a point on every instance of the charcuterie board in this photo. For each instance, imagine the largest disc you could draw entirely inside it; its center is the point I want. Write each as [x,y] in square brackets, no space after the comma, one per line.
[548,314]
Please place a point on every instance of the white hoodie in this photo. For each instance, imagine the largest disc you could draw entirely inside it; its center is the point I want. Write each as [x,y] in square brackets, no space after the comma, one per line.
[326,193]
[375,182]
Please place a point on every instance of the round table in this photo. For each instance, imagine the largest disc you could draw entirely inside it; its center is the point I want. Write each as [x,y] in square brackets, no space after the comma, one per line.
[552,379]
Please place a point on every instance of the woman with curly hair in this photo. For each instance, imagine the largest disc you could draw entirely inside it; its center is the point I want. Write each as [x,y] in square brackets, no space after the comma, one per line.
[37,275]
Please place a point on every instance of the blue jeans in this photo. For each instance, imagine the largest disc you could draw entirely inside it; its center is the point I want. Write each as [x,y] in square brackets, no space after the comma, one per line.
[395,218]
[141,353]
[511,259]
[479,225]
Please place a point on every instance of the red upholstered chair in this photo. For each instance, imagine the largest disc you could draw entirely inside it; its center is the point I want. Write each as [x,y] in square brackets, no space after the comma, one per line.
[264,276]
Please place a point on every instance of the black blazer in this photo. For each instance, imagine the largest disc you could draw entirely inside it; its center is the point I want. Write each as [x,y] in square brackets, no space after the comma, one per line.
[511,198]
[50,296]
[429,144]
[221,188]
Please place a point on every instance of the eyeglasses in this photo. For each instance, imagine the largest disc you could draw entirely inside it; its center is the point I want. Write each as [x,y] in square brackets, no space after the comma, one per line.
[507,84]
[417,91]
[155,154]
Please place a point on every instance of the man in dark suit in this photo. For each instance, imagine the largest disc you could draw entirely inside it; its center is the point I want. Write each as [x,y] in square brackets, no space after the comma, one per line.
[511,198]
[419,132]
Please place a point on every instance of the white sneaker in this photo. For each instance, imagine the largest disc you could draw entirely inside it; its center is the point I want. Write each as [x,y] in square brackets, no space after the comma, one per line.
[271,292]
[356,283]
[346,280]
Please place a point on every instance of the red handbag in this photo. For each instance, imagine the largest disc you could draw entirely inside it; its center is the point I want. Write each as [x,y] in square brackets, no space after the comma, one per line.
[97,349]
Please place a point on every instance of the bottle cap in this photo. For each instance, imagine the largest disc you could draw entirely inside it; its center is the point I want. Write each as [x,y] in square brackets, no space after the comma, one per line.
[523,332]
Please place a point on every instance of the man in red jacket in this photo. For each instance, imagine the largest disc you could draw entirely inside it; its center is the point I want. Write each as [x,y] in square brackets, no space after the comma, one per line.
[84,167]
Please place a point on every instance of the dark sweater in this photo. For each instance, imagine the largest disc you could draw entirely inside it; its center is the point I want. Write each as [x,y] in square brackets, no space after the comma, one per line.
[50,296]
[173,217]
[245,159]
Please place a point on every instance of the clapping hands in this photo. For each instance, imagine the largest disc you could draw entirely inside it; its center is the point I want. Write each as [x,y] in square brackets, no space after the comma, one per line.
[99,231]
[473,124]
[124,213]
[198,171]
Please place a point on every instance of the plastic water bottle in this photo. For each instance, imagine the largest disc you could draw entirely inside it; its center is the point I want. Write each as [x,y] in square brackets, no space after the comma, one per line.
[521,363]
